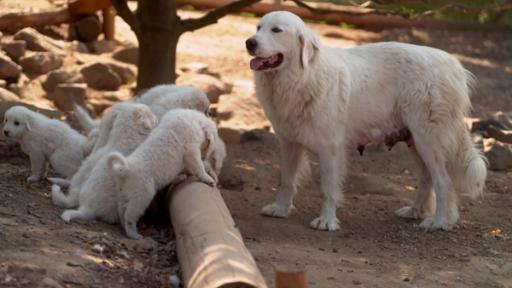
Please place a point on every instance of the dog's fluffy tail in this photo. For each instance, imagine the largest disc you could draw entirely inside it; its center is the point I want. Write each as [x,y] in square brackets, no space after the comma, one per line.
[116,163]
[85,120]
[62,200]
[471,169]
[59,181]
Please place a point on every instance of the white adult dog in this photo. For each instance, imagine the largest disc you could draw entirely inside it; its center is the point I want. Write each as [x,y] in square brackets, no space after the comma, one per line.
[97,196]
[45,140]
[328,101]
[173,147]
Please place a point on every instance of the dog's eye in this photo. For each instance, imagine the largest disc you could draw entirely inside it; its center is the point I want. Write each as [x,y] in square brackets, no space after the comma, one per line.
[276,30]
[258,28]
[16,123]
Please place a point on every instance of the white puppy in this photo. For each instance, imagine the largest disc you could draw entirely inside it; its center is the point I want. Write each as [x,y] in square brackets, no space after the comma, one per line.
[132,124]
[163,98]
[174,146]
[329,100]
[213,164]
[45,140]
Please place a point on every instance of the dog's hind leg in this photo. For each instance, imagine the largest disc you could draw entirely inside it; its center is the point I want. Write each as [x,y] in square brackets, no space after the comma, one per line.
[424,200]
[292,157]
[134,210]
[332,172]
[195,166]
[446,214]
[81,213]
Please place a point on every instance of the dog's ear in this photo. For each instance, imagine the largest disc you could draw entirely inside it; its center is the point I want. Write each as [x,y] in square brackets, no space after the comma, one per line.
[309,44]
[28,122]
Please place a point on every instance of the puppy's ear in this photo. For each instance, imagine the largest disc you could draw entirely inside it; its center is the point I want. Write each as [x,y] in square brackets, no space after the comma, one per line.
[28,122]
[309,44]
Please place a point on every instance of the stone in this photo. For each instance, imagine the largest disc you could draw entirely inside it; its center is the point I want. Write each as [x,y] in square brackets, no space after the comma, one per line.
[39,42]
[3,83]
[60,76]
[15,49]
[128,55]
[80,47]
[101,76]
[8,69]
[498,154]
[125,71]
[88,28]
[101,46]
[66,94]
[15,88]
[211,86]
[40,62]
[6,96]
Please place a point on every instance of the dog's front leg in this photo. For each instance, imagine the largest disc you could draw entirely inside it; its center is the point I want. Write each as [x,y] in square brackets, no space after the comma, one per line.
[37,166]
[332,172]
[292,157]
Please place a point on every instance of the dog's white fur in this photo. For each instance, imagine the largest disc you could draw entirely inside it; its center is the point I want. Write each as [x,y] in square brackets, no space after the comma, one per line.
[163,98]
[45,140]
[97,196]
[213,164]
[84,119]
[131,125]
[325,99]
[174,146]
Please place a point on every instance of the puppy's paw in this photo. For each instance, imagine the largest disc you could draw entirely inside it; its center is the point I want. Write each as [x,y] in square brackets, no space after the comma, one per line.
[33,179]
[134,235]
[329,224]
[67,216]
[408,212]
[431,224]
[208,180]
[276,210]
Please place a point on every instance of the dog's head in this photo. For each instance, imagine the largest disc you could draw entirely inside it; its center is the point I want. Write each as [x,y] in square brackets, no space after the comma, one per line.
[136,117]
[282,39]
[17,121]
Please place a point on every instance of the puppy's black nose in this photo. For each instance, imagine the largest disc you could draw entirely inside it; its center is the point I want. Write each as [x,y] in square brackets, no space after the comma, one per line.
[251,45]
[6,133]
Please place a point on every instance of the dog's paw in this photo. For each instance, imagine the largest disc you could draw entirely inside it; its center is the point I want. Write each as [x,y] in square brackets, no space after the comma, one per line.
[431,224]
[408,212]
[33,179]
[276,210]
[321,223]
[134,235]
[208,180]
[66,216]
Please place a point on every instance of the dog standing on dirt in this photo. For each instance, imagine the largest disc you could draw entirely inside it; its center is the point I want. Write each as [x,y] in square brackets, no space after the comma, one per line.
[176,145]
[45,140]
[329,100]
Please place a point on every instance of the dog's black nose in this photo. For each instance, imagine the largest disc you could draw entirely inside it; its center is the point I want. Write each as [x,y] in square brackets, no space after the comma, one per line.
[251,45]
[6,133]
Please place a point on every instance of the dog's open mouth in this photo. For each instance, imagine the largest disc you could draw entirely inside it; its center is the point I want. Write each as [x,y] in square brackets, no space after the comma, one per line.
[260,63]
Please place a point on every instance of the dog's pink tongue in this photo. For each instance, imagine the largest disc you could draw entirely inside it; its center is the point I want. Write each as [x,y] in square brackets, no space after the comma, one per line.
[256,63]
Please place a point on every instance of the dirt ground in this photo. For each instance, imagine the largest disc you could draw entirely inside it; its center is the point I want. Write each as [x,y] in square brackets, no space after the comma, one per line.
[374,248]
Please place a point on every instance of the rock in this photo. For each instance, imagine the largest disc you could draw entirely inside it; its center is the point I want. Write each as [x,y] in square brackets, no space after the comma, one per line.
[503,119]
[79,46]
[229,136]
[128,55]
[57,77]
[68,93]
[88,29]
[8,69]
[15,49]
[498,154]
[48,282]
[102,46]
[249,136]
[40,62]
[3,83]
[6,95]
[124,71]
[15,88]
[211,86]
[199,68]
[101,76]
[38,42]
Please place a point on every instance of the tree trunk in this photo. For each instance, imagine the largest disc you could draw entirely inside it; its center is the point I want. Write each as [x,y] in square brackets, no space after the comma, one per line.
[158,38]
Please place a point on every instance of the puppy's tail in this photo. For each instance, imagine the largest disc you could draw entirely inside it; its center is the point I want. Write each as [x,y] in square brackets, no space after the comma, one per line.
[59,181]
[471,169]
[84,118]
[116,163]
[62,200]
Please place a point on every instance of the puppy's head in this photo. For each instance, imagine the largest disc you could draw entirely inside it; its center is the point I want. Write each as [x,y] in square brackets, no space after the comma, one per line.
[17,121]
[143,119]
[281,39]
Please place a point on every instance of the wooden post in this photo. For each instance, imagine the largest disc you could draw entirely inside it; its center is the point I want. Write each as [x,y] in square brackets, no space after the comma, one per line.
[109,22]
[210,248]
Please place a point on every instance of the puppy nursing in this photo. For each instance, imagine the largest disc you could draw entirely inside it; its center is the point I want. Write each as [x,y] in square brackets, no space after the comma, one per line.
[329,101]
[45,141]
[174,146]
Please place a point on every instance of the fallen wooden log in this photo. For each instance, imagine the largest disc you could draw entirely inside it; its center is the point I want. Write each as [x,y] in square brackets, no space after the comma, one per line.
[363,18]
[12,22]
[210,248]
